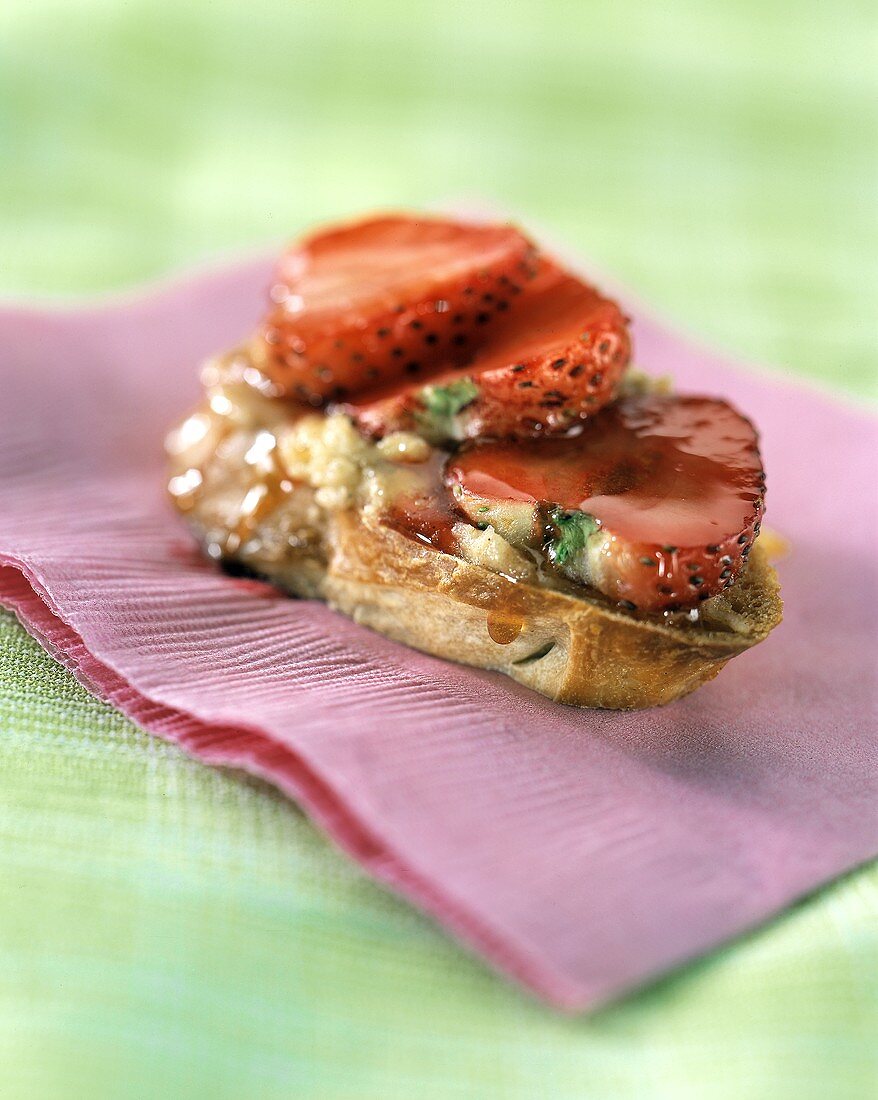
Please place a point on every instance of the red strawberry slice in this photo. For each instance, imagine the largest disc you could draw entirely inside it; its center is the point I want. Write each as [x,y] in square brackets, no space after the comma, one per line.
[387,298]
[553,360]
[656,503]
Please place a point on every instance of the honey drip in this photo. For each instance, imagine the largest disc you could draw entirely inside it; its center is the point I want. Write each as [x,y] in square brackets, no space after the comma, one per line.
[503,628]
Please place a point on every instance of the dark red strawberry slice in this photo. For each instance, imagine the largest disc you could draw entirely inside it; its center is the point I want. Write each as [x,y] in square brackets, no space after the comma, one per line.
[385,299]
[552,361]
[656,503]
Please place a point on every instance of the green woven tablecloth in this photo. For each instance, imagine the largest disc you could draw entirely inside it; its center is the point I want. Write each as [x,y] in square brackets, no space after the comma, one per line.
[170,930]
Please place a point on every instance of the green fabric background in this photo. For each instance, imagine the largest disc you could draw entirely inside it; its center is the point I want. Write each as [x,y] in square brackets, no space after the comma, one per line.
[170,930]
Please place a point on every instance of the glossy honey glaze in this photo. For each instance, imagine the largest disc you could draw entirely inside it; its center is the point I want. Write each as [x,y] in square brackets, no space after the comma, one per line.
[427,512]
[681,471]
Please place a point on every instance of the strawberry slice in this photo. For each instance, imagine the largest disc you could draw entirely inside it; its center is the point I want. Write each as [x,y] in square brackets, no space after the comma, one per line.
[551,362]
[656,503]
[384,299]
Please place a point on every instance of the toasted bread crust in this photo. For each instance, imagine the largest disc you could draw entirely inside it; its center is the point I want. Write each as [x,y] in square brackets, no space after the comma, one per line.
[571,648]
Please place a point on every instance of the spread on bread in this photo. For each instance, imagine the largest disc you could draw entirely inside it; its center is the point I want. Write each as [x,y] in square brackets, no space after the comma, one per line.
[436,419]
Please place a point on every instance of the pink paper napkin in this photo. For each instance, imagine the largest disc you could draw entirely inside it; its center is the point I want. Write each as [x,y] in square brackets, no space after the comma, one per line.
[580,852]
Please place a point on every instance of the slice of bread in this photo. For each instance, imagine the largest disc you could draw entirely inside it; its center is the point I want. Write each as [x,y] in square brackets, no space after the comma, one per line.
[296,500]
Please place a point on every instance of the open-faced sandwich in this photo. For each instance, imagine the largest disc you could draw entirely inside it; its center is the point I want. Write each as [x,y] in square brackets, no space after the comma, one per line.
[434,429]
